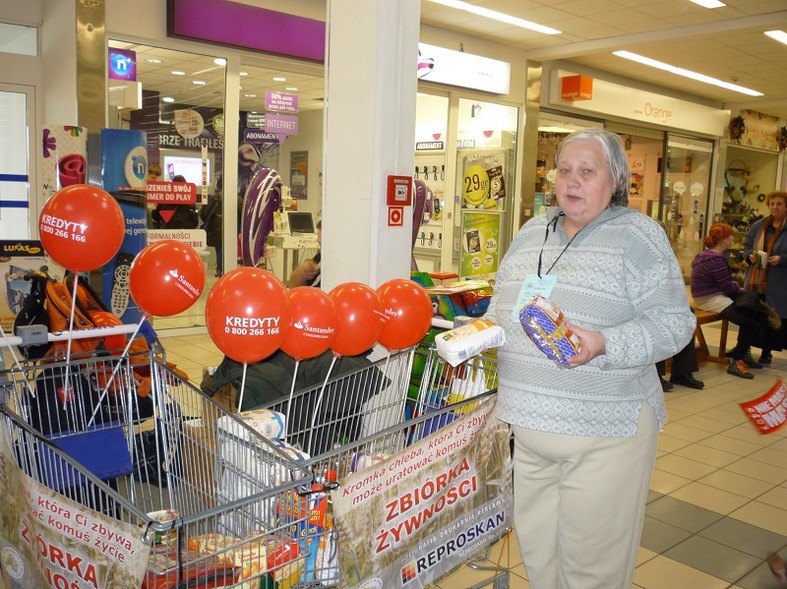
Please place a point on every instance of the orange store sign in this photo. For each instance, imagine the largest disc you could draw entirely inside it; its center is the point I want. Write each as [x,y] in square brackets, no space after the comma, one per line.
[576,88]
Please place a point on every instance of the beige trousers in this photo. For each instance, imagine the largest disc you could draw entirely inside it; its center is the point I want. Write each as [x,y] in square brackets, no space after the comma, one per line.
[579,505]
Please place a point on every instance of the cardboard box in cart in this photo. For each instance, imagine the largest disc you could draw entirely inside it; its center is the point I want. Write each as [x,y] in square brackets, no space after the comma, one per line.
[199,440]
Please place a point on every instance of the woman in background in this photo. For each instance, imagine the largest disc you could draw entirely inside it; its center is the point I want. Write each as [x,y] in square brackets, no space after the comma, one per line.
[714,290]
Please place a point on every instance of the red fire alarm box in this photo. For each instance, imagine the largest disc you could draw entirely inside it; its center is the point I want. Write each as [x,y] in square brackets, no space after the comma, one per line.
[400,190]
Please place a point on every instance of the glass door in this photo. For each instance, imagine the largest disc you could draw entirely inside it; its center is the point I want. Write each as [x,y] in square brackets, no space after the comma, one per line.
[16,124]
[685,197]
[485,178]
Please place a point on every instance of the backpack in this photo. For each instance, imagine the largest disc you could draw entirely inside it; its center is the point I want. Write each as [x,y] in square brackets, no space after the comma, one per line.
[49,304]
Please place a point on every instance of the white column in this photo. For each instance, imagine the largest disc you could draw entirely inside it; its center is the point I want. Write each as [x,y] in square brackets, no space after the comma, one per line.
[369,134]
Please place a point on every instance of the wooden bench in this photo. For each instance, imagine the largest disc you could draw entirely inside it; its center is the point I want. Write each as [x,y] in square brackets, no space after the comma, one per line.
[703,353]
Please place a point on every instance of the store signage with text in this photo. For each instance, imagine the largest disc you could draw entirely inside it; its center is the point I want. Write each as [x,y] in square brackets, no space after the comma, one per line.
[182,193]
[430,146]
[281,102]
[285,124]
[608,98]
[260,136]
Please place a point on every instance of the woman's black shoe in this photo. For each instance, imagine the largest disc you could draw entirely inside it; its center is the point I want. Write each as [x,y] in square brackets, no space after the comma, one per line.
[665,385]
[687,380]
[765,359]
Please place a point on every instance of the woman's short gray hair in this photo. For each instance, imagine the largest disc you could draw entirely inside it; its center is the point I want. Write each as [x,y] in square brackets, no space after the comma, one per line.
[615,157]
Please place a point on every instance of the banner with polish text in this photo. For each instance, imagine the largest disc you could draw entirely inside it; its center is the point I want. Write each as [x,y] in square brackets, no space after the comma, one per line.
[413,516]
[768,412]
[48,540]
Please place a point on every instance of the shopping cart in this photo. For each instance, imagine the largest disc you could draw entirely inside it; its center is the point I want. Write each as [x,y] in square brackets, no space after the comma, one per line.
[348,423]
[215,512]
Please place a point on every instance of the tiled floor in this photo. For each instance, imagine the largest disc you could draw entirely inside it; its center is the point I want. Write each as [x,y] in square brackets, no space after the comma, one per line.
[718,502]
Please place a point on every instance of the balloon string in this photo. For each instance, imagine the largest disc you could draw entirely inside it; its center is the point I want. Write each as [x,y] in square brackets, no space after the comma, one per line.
[292,392]
[380,401]
[319,401]
[242,387]
[66,387]
[115,369]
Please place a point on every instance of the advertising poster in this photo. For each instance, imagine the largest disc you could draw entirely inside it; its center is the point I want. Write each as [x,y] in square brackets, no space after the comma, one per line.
[299,174]
[480,254]
[414,516]
[48,540]
[769,412]
[124,165]
[17,258]
[64,153]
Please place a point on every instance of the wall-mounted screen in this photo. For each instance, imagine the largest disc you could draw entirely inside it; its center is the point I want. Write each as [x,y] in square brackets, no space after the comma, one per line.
[185,163]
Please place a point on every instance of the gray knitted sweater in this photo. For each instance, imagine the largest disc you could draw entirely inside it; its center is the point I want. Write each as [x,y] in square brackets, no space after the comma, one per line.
[618,277]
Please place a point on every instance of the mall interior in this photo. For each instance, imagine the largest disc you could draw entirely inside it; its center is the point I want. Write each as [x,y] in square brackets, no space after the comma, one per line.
[323,93]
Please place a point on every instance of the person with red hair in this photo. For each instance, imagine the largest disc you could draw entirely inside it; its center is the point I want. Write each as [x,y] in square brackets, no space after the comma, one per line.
[714,290]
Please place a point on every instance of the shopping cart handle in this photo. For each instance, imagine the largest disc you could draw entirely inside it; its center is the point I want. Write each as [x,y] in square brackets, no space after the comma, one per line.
[37,334]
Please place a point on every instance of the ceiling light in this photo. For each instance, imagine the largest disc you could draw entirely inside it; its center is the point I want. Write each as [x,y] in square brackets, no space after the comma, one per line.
[499,16]
[709,3]
[780,36]
[685,73]
[199,82]
[291,88]
[220,61]
[250,95]
[168,99]
[153,60]
[244,73]
[178,73]
[279,79]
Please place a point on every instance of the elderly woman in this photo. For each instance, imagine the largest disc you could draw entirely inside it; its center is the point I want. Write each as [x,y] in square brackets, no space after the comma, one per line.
[585,438]
[770,280]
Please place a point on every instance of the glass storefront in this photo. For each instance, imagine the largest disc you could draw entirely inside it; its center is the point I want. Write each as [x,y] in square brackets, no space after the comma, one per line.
[175,109]
[474,159]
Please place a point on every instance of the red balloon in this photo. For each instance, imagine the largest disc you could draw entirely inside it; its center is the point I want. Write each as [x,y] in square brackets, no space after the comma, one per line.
[360,318]
[313,323]
[81,227]
[248,314]
[409,312]
[166,278]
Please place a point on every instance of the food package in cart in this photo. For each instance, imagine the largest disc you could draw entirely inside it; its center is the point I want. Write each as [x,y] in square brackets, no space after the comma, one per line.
[309,519]
[463,342]
[267,423]
[546,326]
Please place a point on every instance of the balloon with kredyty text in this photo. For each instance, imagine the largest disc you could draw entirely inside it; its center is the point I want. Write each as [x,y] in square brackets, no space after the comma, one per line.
[81,227]
[166,278]
[313,323]
[248,314]
[359,318]
[408,310]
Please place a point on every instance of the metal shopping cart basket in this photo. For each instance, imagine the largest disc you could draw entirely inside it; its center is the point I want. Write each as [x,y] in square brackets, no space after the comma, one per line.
[212,512]
[409,402]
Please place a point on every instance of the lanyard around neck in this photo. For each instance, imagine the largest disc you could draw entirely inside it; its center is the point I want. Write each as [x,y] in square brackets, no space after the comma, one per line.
[560,255]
